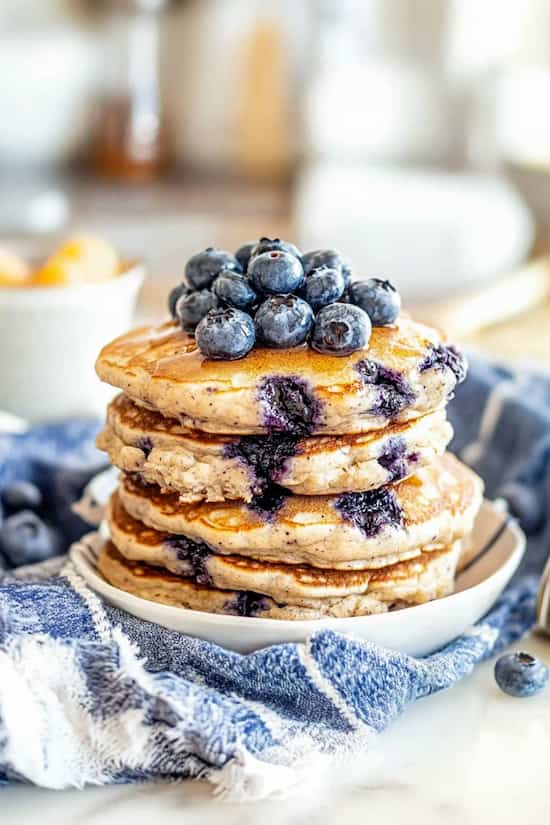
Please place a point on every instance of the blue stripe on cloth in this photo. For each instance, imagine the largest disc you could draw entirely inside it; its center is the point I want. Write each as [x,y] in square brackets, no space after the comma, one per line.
[111,699]
[51,607]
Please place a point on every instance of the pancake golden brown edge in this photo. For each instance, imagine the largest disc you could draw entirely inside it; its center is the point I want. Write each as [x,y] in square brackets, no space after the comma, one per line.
[406,371]
[438,505]
[200,466]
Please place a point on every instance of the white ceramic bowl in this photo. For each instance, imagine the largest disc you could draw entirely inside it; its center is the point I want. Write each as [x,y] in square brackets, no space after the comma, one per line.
[47,85]
[497,549]
[50,338]
[434,234]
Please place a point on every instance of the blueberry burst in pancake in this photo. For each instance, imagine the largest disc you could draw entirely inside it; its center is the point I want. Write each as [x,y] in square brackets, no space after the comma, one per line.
[204,466]
[406,371]
[347,531]
[287,592]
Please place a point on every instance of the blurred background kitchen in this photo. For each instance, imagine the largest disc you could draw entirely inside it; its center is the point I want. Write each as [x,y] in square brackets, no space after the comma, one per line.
[414,135]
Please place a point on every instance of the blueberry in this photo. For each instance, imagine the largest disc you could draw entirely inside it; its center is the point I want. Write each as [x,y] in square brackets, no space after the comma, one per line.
[380,300]
[244,252]
[226,334]
[274,245]
[203,267]
[319,258]
[173,297]
[275,273]
[22,495]
[340,329]
[231,288]
[190,309]
[66,486]
[283,321]
[520,674]
[322,287]
[25,539]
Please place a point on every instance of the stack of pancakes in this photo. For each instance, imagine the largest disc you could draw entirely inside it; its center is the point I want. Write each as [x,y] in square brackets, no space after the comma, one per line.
[289,484]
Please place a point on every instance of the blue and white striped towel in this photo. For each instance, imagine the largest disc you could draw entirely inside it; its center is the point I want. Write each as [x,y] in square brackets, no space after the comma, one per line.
[89,695]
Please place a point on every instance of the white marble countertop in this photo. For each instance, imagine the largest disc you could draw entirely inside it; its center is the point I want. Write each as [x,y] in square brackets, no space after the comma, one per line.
[469,755]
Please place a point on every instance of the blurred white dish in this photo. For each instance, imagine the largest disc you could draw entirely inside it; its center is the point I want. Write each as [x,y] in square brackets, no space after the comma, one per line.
[498,548]
[433,234]
[50,338]
[47,80]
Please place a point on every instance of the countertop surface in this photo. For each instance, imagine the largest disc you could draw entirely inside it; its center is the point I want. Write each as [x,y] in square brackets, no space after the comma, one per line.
[469,755]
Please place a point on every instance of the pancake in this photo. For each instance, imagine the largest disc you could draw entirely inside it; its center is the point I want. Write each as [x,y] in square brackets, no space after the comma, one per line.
[416,582]
[214,468]
[284,583]
[405,372]
[438,505]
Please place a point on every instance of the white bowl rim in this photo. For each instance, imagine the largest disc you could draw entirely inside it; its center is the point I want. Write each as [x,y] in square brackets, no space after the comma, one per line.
[133,270]
[508,525]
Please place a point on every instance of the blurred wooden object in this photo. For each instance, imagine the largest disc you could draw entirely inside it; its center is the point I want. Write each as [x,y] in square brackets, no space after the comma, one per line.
[262,127]
[130,141]
[525,338]
[506,298]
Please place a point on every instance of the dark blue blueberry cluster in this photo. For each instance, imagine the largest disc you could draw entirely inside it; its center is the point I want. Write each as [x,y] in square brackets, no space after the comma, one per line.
[270,294]
[36,520]
[24,537]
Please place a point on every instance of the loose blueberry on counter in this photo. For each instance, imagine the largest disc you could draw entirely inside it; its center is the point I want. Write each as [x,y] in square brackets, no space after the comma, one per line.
[275,273]
[231,288]
[274,245]
[380,300]
[226,334]
[340,329]
[319,258]
[174,296]
[520,674]
[283,321]
[22,495]
[190,309]
[243,254]
[202,268]
[322,287]
[25,539]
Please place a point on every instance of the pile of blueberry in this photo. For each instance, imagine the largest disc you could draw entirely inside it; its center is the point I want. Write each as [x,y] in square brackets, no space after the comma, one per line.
[270,294]
[25,537]
[37,521]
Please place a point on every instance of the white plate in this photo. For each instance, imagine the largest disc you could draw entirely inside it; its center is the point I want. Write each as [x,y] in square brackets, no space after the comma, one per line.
[497,550]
